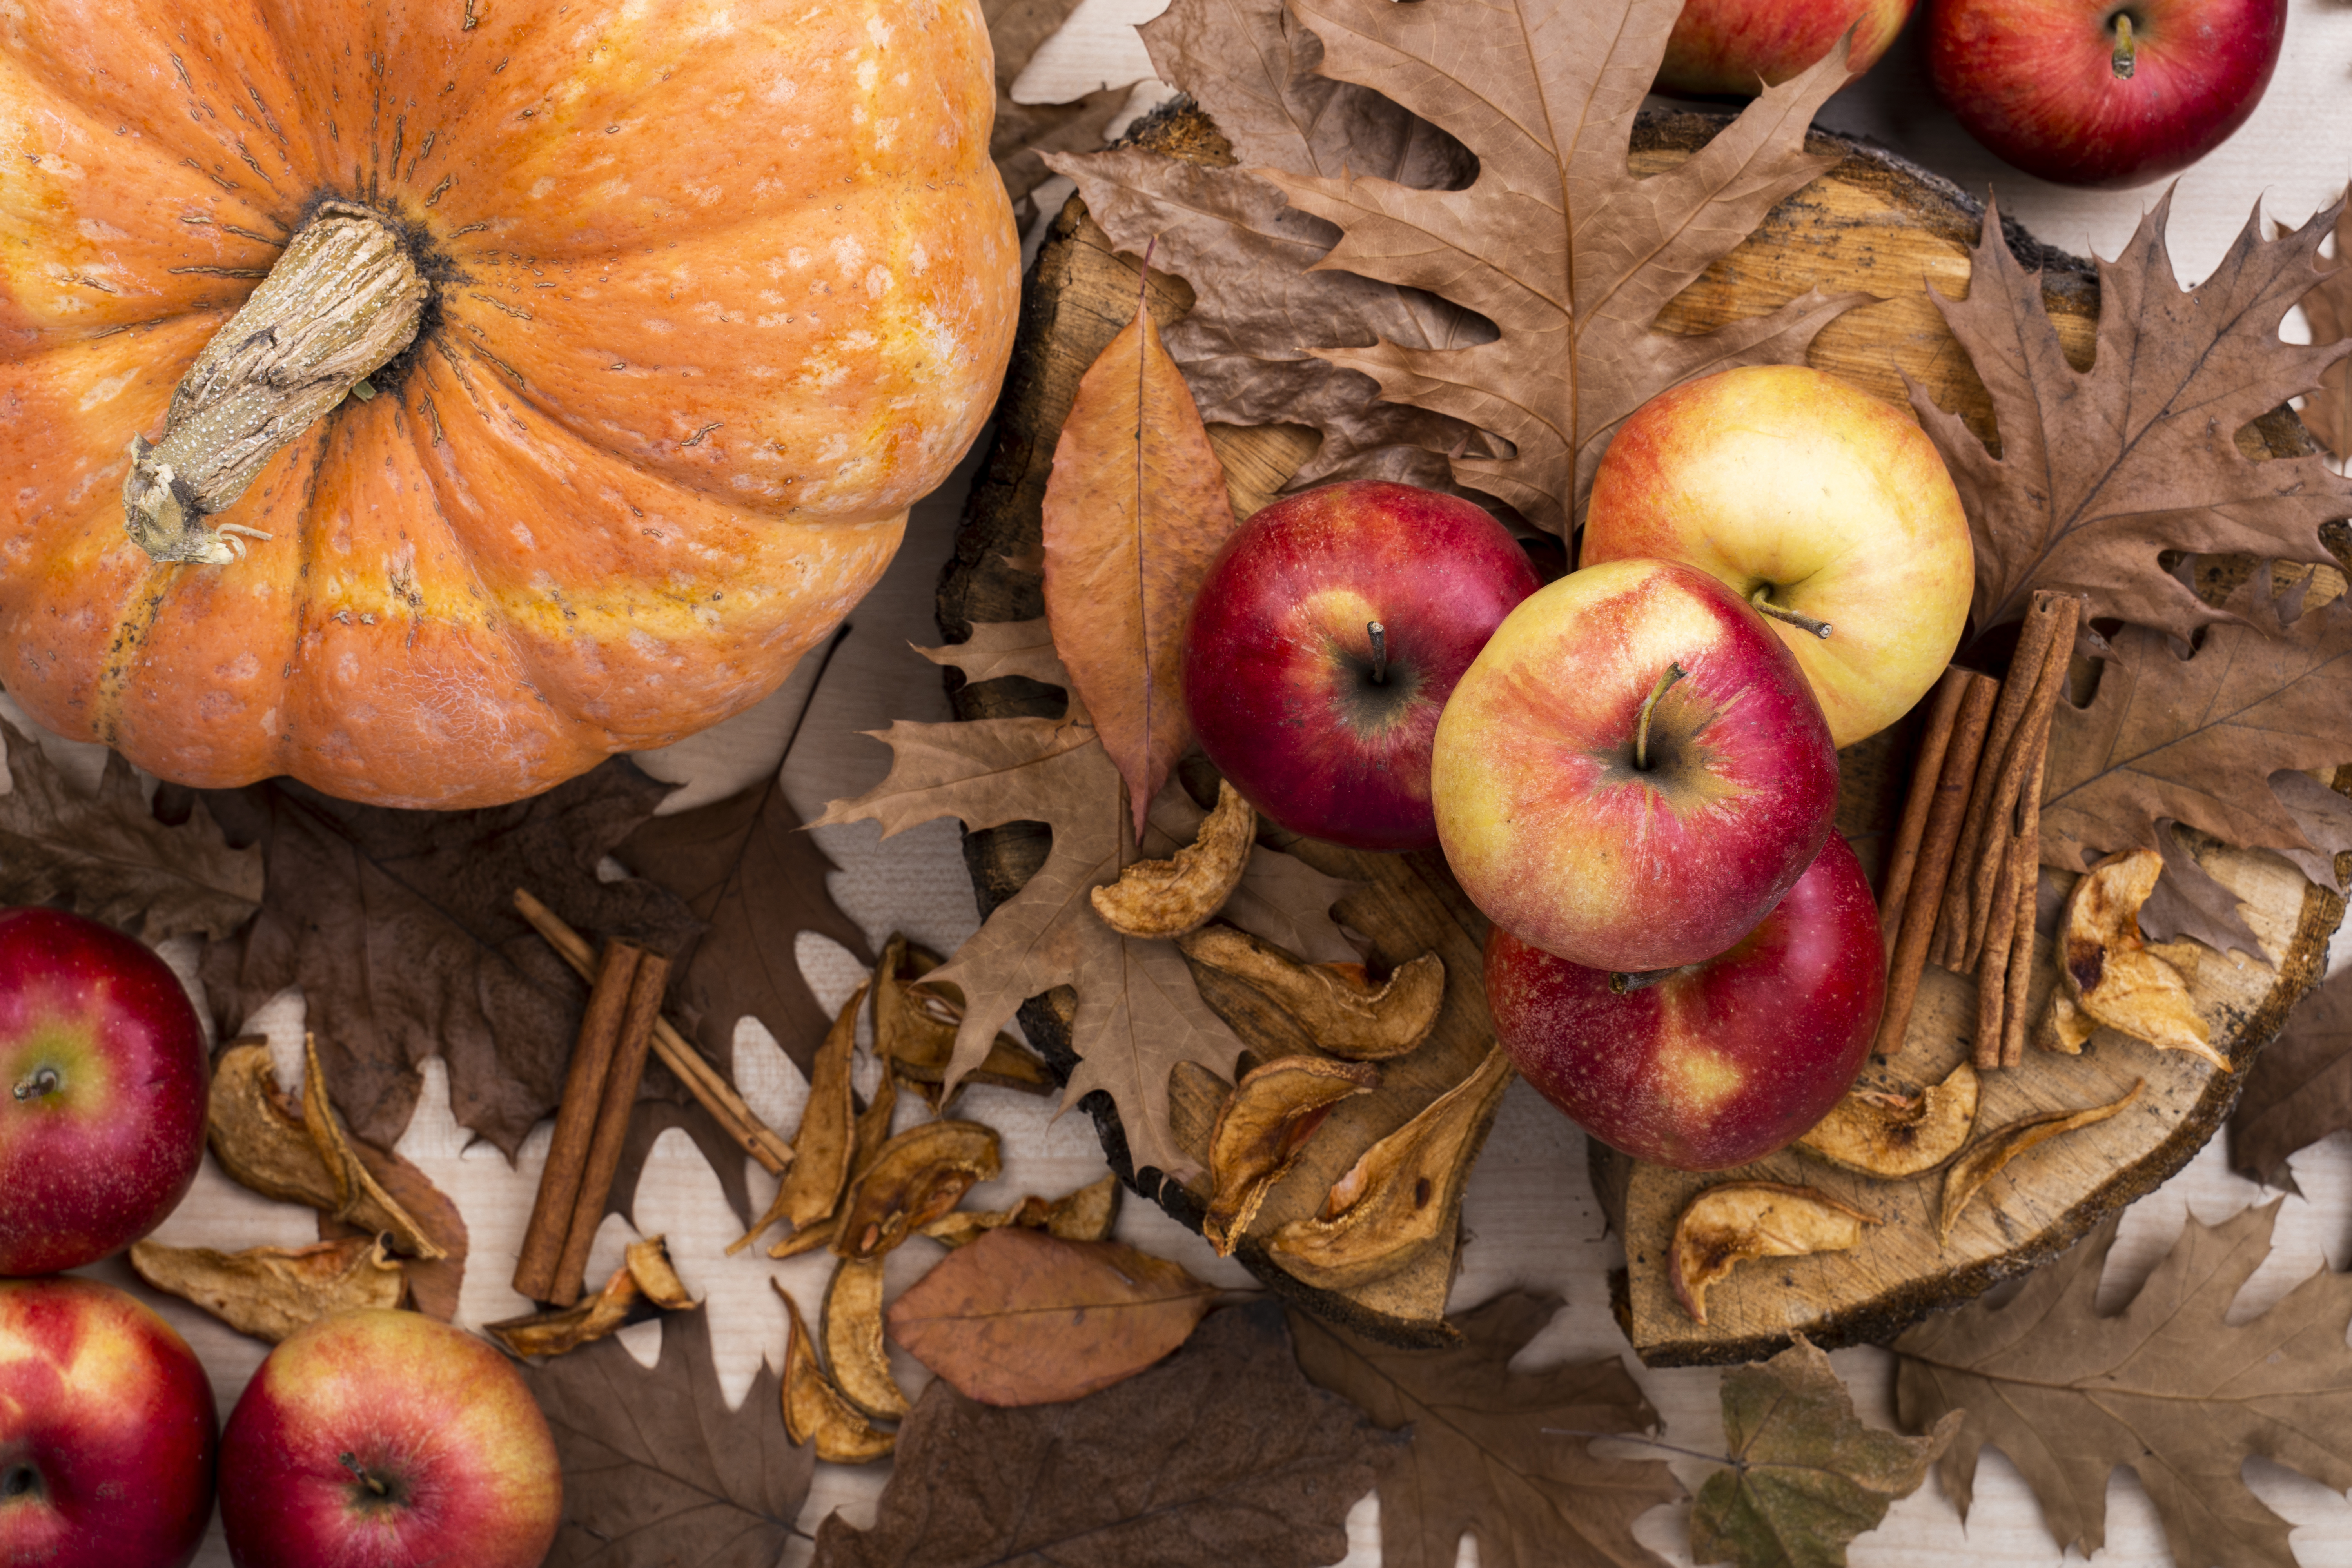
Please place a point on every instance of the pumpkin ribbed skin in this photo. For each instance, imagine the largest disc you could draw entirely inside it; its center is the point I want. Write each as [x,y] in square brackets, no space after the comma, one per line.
[718,289]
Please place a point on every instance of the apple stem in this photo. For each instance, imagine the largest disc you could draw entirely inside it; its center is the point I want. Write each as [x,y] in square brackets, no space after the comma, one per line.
[19,1480]
[351,1462]
[1649,705]
[1625,983]
[2122,59]
[42,1082]
[1762,600]
[1380,635]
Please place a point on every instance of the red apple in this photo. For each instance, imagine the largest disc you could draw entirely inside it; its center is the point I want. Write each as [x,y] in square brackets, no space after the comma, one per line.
[1323,732]
[1744,46]
[102,1124]
[388,1440]
[107,1431]
[2092,92]
[1633,771]
[1830,505]
[1717,1063]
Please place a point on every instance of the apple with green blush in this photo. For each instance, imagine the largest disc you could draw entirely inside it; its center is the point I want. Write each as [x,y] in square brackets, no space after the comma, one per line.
[102,1091]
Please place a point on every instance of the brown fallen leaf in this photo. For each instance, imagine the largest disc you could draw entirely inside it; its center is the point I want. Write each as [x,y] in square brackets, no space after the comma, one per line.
[2102,470]
[1972,1170]
[912,1180]
[105,855]
[270,1291]
[1403,1195]
[1263,1128]
[1223,1453]
[1806,1476]
[1503,1455]
[2168,1385]
[2300,1088]
[1168,898]
[657,1469]
[2328,408]
[826,1141]
[1894,1136]
[2190,901]
[914,1028]
[815,1411]
[1023,133]
[1086,1213]
[1134,510]
[1022,1316]
[1726,1225]
[853,1339]
[2106,975]
[1342,1011]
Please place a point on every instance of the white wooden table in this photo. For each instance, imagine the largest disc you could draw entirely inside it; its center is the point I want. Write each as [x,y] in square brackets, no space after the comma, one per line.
[1534,1220]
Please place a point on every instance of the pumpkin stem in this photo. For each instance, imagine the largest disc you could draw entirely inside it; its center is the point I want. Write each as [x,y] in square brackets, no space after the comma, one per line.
[344,299]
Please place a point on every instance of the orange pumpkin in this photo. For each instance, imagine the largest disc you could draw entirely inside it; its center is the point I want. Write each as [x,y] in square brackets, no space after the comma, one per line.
[704,292]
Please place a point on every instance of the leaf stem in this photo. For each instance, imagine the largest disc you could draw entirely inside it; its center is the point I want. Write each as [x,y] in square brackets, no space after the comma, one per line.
[1649,705]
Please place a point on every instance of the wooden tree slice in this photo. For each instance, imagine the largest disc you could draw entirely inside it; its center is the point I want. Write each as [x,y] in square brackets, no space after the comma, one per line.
[1876,223]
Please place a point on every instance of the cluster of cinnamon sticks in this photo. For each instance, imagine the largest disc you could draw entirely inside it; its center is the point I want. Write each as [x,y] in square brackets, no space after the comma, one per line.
[1960,883]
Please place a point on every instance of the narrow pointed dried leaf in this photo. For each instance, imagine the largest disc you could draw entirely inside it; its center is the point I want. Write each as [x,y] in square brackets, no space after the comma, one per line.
[270,1291]
[2300,1088]
[1972,1170]
[1807,1476]
[1134,511]
[1022,1317]
[1498,1453]
[2166,1385]
[2102,470]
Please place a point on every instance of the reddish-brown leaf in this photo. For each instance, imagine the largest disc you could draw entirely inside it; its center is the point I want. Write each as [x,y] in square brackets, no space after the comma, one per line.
[1022,1317]
[1134,511]
[2300,1089]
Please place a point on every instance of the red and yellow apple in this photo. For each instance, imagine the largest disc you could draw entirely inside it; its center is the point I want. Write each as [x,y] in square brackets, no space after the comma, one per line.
[1713,1064]
[107,1431]
[1633,771]
[1821,504]
[102,1091]
[389,1440]
[1324,641]
[1744,46]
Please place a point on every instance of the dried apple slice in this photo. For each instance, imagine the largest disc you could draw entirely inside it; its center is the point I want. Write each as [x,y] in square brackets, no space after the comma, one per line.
[915,1027]
[1167,897]
[2108,976]
[916,1177]
[1974,1169]
[647,1263]
[823,1146]
[565,1328]
[815,1410]
[1728,1224]
[853,1339]
[1263,1128]
[1085,1214]
[1403,1195]
[270,1291]
[1341,1011]
[1892,1136]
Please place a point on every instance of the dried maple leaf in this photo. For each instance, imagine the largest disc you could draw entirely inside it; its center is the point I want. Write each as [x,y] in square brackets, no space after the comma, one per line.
[1138,1011]
[1503,1455]
[2327,410]
[1806,1476]
[106,855]
[2196,740]
[1134,510]
[1556,241]
[1245,347]
[400,927]
[656,1469]
[2300,1088]
[2102,470]
[1222,1453]
[2168,1386]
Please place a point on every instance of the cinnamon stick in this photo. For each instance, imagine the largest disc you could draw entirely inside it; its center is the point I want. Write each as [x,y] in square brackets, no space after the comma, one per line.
[1937,841]
[735,1117]
[2028,746]
[1992,980]
[575,1120]
[2016,996]
[1943,712]
[628,1070]
[2032,649]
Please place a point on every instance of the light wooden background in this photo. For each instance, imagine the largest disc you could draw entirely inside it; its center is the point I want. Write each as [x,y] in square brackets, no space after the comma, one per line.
[1533,1219]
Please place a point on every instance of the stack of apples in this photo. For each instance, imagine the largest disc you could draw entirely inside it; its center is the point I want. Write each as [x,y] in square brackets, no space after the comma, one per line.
[1631,770]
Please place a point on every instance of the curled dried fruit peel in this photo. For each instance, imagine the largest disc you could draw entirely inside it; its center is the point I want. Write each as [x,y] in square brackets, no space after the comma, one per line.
[1969,1173]
[1403,1195]
[915,1027]
[916,1177]
[644,1275]
[1725,1225]
[1156,899]
[1892,1136]
[1341,1012]
[1086,1213]
[270,1291]
[1261,1131]
[815,1410]
[2108,975]
[854,1346]
[826,1139]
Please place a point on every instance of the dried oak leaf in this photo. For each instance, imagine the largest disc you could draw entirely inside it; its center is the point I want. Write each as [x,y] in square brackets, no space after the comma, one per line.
[1223,1453]
[2102,470]
[106,855]
[401,929]
[2168,1386]
[2328,411]
[1138,1011]
[1806,1476]
[1246,346]
[1024,133]
[1556,240]
[2300,1088]
[1497,1453]
[656,1469]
